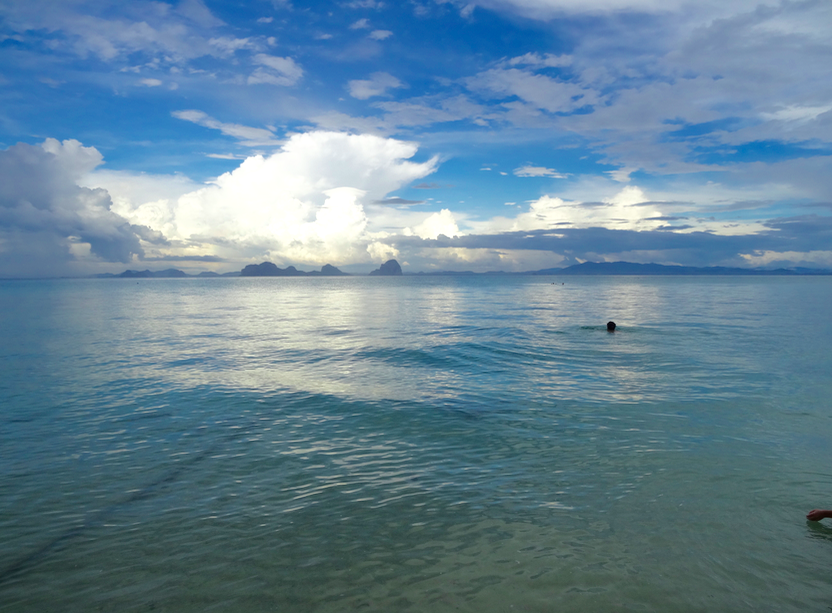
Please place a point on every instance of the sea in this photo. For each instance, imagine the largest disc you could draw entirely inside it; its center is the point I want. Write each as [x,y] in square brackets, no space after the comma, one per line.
[416,443]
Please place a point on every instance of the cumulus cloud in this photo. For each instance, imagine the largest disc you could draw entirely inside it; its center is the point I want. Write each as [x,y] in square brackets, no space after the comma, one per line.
[621,175]
[376,85]
[302,205]
[435,225]
[158,193]
[629,208]
[47,219]
[381,252]
[617,212]
[322,199]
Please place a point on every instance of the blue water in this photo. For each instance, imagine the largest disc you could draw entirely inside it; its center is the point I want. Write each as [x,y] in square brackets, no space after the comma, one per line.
[410,444]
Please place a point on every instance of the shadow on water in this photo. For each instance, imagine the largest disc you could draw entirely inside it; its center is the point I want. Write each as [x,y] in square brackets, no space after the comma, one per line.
[153,488]
[453,410]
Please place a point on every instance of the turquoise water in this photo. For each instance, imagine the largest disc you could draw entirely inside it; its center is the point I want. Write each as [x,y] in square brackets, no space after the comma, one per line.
[410,444]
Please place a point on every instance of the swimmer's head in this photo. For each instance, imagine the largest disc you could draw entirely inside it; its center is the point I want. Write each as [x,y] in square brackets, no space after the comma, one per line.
[610,326]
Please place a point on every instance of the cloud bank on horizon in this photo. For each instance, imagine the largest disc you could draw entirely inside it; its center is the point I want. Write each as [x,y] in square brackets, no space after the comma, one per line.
[451,135]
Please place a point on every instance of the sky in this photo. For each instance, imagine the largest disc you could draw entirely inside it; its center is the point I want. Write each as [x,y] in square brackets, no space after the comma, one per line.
[509,135]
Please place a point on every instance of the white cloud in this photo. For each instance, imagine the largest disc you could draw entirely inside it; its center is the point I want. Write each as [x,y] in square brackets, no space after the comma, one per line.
[547,9]
[225,156]
[621,175]
[626,210]
[430,110]
[197,12]
[796,113]
[538,171]
[155,29]
[265,20]
[539,90]
[537,60]
[156,195]
[302,205]
[227,46]
[279,70]
[361,24]
[333,121]
[73,158]
[821,259]
[381,252]
[764,71]
[435,224]
[376,85]
[248,136]
[364,4]
[151,82]
[380,34]
[483,259]
[339,226]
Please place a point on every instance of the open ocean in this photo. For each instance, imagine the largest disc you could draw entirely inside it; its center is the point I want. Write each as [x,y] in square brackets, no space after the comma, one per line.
[431,444]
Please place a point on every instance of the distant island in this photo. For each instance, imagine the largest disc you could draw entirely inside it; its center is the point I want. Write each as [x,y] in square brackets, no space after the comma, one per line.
[628,268]
[392,268]
[267,269]
[389,269]
[170,273]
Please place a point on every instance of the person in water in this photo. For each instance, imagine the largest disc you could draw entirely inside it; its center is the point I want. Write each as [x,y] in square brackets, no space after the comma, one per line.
[819,514]
[610,326]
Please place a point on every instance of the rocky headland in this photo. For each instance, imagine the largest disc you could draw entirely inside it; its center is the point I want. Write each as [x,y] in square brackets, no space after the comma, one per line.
[389,269]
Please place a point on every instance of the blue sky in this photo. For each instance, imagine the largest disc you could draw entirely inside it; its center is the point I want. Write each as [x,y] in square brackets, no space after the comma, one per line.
[489,135]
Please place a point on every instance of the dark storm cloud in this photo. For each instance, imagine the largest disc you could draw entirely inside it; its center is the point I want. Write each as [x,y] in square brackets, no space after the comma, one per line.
[43,211]
[803,233]
[150,235]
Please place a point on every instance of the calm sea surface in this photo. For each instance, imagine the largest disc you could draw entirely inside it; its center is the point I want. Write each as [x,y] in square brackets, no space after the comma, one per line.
[416,444]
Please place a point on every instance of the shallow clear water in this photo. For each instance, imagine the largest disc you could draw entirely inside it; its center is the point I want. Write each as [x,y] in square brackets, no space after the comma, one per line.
[474,444]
